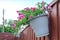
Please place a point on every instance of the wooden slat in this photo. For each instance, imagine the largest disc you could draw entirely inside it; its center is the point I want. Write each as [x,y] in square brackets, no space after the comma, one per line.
[38,38]
[46,37]
[30,33]
[53,2]
[53,23]
[59,19]
[42,38]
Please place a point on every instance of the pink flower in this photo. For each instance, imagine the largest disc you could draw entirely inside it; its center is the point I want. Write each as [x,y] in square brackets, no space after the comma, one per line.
[33,8]
[20,13]
[21,16]
[31,16]
[49,6]
[17,11]
[43,2]
[18,18]
[14,25]
[44,8]
[27,8]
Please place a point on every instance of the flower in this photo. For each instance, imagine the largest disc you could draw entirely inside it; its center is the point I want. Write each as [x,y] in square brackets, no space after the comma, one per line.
[14,25]
[17,11]
[33,8]
[31,16]
[49,6]
[24,16]
[29,13]
[43,2]
[27,8]
[44,8]
[21,16]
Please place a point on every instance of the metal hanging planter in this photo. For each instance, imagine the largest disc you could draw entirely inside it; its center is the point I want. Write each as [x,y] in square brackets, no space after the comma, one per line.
[40,25]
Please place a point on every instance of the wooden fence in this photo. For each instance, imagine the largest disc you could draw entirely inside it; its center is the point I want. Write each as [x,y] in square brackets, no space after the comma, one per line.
[55,20]
[28,34]
[54,27]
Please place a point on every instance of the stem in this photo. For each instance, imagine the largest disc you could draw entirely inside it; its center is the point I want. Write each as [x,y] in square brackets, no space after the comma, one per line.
[3,20]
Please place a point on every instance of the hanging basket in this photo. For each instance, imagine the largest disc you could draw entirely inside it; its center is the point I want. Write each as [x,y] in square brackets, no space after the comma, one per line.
[40,25]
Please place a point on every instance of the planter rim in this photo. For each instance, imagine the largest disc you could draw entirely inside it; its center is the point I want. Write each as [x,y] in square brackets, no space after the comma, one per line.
[38,17]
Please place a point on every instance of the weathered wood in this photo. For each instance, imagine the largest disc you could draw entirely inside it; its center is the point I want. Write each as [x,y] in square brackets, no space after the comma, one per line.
[6,36]
[53,23]
[47,38]
[59,20]
[28,34]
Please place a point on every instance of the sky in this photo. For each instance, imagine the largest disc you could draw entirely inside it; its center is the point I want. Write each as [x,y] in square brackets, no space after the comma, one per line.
[11,6]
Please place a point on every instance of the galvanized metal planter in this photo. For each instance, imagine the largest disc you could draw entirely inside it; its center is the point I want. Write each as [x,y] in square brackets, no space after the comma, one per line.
[40,25]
